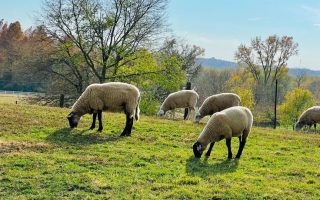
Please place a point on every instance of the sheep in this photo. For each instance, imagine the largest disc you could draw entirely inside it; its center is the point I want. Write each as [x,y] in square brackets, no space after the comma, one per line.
[309,117]
[231,122]
[114,96]
[181,99]
[216,103]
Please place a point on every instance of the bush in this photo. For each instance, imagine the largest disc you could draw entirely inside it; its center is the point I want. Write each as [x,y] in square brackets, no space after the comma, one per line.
[149,105]
[296,101]
[246,96]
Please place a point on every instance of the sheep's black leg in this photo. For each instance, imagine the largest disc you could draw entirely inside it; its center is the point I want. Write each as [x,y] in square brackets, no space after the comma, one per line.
[129,124]
[228,142]
[186,113]
[315,127]
[94,117]
[100,120]
[210,149]
[242,144]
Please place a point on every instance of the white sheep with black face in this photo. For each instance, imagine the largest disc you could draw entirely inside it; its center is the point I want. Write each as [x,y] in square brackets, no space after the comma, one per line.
[216,103]
[231,122]
[181,99]
[114,97]
[309,117]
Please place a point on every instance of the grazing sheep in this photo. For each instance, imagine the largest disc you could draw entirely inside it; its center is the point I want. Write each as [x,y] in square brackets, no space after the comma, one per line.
[231,122]
[309,117]
[216,103]
[112,97]
[181,99]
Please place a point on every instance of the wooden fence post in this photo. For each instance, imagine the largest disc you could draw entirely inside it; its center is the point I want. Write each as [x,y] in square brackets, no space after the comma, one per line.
[275,106]
[186,110]
[61,100]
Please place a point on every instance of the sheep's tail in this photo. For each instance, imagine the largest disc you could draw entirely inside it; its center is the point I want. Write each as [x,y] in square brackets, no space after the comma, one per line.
[137,113]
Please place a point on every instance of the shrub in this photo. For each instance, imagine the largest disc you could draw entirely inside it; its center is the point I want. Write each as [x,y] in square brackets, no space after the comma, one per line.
[149,105]
[296,101]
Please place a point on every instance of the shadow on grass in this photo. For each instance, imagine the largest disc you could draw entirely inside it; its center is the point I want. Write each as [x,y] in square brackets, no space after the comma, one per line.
[198,167]
[76,137]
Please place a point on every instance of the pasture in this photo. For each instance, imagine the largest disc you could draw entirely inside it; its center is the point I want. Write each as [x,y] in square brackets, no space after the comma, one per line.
[42,158]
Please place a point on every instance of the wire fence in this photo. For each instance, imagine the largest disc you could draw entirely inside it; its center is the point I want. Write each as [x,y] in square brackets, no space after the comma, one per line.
[10,92]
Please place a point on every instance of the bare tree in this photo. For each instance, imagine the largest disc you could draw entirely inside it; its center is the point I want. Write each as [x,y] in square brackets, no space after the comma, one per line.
[105,32]
[186,54]
[211,81]
[300,78]
[267,60]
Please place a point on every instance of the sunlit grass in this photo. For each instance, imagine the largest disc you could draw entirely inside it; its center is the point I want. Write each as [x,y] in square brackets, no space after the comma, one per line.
[40,157]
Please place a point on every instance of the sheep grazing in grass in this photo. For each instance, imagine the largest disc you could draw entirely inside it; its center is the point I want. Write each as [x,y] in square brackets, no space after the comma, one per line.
[309,117]
[231,122]
[112,97]
[181,99]
[216,103]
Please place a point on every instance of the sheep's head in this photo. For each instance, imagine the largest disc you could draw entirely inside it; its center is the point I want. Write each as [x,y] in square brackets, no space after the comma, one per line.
[298,126]
[161,113]
[198,116]
[74,119]
[198,149]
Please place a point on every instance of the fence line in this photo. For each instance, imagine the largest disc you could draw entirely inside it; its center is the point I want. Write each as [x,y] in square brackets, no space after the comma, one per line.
[22,93]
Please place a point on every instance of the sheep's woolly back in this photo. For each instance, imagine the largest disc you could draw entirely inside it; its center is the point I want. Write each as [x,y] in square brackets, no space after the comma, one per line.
[218,102]
[310,116]
[231,122]
[114,97]
[180,99]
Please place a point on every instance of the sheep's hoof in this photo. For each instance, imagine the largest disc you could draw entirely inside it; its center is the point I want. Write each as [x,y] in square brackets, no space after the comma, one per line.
[237,157]
[91,128]
[125,134]
[100,130]
[207,154]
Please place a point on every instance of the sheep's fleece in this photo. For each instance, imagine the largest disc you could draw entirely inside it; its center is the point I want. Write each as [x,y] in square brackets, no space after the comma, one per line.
[180,99]
[114,96]
[231,122]
[216,103]
[308,117]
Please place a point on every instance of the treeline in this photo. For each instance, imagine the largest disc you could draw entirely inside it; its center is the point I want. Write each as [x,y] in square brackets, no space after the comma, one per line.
[79,42]
[295,93]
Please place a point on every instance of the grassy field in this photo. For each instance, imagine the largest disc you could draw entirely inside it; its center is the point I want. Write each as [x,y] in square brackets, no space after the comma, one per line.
[8,98]
[12,99]
[41,158]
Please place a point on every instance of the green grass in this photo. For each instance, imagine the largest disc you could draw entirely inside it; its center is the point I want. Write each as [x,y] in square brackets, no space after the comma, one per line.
[41,158]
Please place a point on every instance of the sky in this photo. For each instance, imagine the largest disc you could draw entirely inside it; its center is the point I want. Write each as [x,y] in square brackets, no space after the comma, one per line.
[220,26]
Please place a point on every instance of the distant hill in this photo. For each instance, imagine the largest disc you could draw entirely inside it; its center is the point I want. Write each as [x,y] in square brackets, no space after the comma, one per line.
[216,63]
[224,64]
[297,70]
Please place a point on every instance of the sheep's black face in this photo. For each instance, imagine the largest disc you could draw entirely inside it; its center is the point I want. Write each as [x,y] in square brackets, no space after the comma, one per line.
[73,119]
[197,118]
[197,149]
[298,126]
[161,113]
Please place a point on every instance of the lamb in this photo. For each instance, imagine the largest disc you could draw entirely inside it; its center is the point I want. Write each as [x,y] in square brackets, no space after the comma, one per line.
[231,122]
[181,99]
[114,96]
[216,103]
[309,117]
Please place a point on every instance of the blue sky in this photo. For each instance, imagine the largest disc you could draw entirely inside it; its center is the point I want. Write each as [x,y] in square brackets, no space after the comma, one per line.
[220,26]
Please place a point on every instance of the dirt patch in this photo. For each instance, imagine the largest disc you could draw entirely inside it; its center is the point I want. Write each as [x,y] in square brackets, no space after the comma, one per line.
[14,146]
